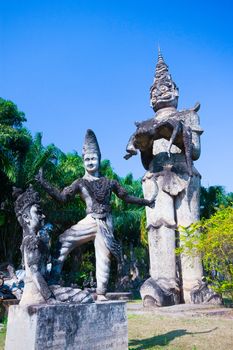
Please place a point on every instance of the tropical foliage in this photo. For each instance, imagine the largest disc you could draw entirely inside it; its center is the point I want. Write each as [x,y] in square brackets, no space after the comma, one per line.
[213,198]
[213,239]
[21,156]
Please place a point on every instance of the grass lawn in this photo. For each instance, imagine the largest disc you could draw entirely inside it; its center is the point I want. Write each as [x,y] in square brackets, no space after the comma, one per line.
[2,338]
[149,331]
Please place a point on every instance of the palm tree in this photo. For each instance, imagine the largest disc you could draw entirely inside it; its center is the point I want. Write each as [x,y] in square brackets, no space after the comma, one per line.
[214,198]
[20,158]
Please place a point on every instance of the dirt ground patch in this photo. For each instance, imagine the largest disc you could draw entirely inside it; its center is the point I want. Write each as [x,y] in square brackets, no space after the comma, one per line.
[180,328]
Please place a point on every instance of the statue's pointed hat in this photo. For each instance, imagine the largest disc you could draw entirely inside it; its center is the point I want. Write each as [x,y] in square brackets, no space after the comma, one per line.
[161,69]
[91,144]
[162,76]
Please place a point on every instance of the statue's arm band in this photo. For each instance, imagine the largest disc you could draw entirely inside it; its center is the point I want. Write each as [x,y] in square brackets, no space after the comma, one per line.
[136,200]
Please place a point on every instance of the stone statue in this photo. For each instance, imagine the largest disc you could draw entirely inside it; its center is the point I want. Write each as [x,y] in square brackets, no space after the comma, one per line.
[97,226]
[128,273]
[5,291]
[169,143]
[31,219]
[14,280]
[35,253]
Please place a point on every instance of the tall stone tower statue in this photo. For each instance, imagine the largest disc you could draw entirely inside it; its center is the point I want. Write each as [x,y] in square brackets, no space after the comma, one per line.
[169,143]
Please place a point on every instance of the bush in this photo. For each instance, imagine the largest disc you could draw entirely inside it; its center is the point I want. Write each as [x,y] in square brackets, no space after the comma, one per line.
[213,239]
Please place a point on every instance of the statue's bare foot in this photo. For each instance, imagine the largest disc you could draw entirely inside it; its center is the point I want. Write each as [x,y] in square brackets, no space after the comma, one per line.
[101,297]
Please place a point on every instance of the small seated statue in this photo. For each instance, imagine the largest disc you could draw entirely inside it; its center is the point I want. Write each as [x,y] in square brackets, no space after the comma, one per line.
[31,219]
[35,251]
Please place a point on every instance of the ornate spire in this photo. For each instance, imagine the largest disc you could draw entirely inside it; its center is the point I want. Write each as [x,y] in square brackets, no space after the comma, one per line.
[91,144]
[160,56]
[163,92]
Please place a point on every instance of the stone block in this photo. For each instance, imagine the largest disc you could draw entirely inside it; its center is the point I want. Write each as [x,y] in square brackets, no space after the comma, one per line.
[96,326]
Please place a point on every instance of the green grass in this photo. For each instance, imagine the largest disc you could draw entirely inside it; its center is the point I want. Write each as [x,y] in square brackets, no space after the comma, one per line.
[150,331]
[228,302]
[2,337]
[135,301]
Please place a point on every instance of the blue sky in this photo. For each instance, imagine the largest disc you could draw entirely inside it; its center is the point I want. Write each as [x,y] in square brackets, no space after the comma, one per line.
[73,65]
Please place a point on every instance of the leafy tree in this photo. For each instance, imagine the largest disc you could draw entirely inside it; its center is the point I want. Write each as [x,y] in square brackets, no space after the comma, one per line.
[20,158]
[61,172]
[14,141]
[213,239]
[10,115]
[213,198]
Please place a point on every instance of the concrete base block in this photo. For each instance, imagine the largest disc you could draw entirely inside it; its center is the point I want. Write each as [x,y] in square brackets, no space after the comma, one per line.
[96,326]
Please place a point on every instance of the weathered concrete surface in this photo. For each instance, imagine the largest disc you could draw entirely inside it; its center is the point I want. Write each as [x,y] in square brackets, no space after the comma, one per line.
[169,143]
[96,326]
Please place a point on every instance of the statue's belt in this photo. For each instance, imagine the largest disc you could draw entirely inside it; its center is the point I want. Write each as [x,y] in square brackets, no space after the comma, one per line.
[101,215]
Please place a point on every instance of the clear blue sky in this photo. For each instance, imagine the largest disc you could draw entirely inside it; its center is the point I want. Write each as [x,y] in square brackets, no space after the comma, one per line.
[73,65]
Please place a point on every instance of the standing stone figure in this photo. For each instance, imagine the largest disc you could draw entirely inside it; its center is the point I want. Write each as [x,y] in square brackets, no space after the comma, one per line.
[97,226]
[169,143]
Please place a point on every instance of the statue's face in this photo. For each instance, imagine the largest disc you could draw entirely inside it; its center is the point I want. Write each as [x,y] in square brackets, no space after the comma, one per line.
[164,95]
[91,162]
[34,218]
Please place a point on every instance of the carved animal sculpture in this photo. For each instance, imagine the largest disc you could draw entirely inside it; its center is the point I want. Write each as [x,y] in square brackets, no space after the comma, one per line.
[173,130]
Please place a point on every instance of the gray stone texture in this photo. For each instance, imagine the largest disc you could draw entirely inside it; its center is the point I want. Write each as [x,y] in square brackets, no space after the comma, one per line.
[97,226]
[169,143]
[96,326]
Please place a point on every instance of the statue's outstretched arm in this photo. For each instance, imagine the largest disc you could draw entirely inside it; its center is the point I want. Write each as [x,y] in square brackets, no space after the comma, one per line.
[123,194]
[61,196]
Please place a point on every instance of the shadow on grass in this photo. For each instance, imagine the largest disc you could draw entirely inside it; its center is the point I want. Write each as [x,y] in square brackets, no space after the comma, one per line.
[163,339]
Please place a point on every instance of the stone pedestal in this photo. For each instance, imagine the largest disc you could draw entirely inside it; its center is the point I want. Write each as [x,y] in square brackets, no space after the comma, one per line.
[94,326]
